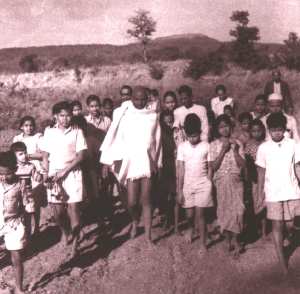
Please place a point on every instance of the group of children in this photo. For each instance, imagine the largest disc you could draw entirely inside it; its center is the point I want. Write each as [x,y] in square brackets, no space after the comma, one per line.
[167,158]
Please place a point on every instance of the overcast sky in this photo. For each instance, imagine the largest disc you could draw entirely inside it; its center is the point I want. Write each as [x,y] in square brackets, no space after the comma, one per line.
[54,22]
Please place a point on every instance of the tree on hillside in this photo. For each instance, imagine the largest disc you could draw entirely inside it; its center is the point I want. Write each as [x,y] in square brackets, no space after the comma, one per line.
[143,28]
[292,51]
[293,42]
[245,36]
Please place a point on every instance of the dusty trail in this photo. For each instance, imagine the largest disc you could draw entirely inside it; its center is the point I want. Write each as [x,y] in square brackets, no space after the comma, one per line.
[119,265]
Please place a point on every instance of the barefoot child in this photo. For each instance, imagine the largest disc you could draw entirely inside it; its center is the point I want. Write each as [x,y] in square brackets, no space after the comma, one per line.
[277,159]
[194,184]
[29,178]
[257,133]
[63,150]
[11,215]
[227,162]
[168,171]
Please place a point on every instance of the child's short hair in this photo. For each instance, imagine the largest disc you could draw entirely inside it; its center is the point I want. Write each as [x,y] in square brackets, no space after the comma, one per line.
[228,107]
[186,90]
[192,124]
[170,93]
[80,122]
[262,97]
[92,98]
[18,146]
[259,123]
[76,103]
[27,118]
[127,88]
[245,115]
[165,113]
[63,105]
[108,101]
[220,87]
[8,160]
[276,120]
[154,92]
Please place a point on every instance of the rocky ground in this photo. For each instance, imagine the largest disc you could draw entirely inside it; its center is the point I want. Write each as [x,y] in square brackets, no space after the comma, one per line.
[113,264]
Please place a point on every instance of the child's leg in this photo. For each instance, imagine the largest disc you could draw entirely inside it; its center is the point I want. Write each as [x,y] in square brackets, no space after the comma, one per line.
[17,263]
[176,217]
[200,225]
[133,190]
[28,224]
[146,203]
[36,217]
[74,214]
[277,231]
[60,219]
[190,218]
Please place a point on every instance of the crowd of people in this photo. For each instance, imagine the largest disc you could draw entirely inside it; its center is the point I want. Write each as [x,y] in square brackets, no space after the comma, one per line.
[207,173]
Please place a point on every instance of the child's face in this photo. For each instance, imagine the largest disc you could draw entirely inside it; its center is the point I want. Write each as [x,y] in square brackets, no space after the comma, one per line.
[228,112]
[277,134]
[170,103]
[275,106]
[21,156]
[139,99]
[186,100]
[260,106]
[28,128]
[63,118]
[168,121]
[77,110]
[94,108]
[224,129]
[152,98]
[7,175]
[245,124]
[125,94]
[256,132]
[194,139]
[108,110]
[221,94]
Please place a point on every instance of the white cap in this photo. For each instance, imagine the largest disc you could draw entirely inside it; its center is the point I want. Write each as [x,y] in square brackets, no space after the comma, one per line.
[275,96]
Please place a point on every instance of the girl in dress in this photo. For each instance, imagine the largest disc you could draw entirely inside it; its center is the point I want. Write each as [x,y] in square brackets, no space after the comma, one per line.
[257,132]
[227,161]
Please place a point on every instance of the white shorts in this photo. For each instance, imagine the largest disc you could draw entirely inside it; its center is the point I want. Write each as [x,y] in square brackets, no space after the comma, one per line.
[199,196]
[15,239]
[72,187]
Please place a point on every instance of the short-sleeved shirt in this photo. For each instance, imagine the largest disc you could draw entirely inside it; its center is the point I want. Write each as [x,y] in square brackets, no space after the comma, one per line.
[291,126]
[62,146]
[195,158]
[10,202]
[102,122]
[181,112]
[278,160]
[217,105]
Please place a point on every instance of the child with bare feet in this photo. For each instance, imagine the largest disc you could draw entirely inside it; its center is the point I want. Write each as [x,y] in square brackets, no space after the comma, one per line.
[194,179]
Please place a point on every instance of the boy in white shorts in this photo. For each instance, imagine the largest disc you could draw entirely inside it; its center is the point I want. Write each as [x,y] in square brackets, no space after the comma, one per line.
[194,178]
[11,215]
[278,162]
[63,150]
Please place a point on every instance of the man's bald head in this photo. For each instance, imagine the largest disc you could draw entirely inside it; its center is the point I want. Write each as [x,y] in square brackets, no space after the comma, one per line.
[139,97]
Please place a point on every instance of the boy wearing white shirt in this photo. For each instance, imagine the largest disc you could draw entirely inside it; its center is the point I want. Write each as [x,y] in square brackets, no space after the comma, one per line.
[277,160]
[187,107]
[218,103]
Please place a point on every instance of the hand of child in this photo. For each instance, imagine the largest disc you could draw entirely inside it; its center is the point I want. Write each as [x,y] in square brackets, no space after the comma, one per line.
[225,146]
[234,145]
[59,175]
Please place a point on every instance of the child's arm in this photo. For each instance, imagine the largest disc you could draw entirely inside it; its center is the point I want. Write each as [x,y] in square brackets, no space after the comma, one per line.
[240,161]
[261,181]
[79,157]
[215,164]
[180,172]
[45,165]
[297,170]
[35,156]
[210,171]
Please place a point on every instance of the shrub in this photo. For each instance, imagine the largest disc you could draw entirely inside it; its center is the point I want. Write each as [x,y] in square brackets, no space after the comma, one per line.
[156,71]
[213,62]
[29,63]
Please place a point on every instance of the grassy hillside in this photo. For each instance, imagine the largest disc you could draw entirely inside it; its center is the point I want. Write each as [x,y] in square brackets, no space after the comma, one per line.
[57,57]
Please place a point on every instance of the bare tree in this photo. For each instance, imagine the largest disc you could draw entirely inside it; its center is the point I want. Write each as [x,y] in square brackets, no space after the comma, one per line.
[143,28]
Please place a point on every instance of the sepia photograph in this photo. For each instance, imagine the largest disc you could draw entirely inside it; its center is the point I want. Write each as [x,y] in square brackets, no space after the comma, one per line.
[149,146]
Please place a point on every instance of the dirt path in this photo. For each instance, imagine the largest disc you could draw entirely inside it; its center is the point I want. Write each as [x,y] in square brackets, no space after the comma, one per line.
[119,265]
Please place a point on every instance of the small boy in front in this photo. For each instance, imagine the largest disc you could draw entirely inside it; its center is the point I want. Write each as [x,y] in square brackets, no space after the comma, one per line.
[278,162]
[11,215]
